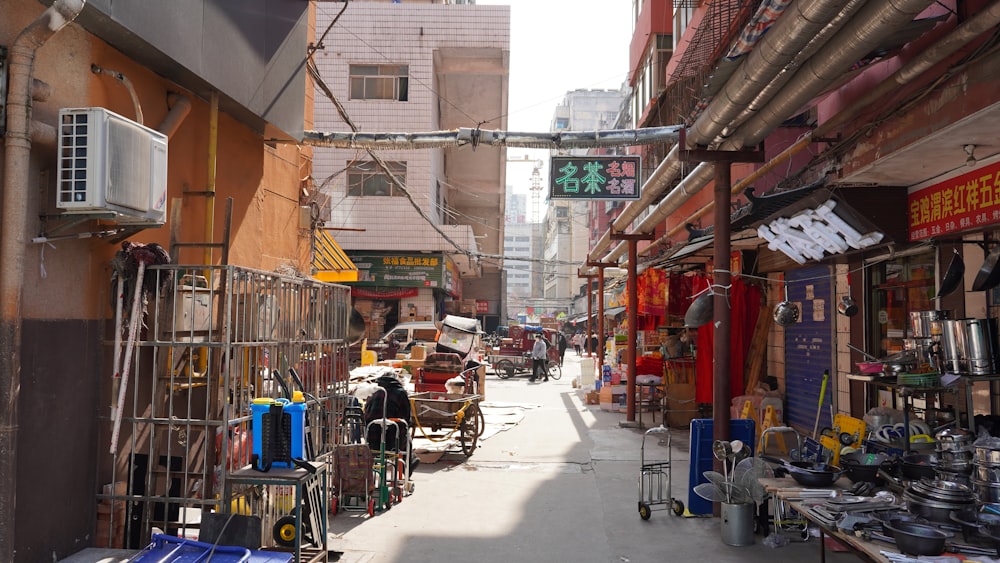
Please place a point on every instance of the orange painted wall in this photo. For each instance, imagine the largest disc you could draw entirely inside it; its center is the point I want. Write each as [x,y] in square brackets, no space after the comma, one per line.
[264,181]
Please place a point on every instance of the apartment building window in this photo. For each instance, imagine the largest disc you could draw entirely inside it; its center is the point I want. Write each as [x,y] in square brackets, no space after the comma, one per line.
[562,212]
[367,178]
[380,82]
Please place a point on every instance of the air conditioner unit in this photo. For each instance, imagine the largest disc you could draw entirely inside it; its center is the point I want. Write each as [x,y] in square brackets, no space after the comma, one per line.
[109,163]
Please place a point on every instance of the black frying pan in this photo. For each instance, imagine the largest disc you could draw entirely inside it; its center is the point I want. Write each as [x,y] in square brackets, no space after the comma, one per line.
[989,275]
[953,277]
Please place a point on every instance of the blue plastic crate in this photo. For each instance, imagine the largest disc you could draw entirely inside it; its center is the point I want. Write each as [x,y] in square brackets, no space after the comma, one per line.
[169,549]
[702,459]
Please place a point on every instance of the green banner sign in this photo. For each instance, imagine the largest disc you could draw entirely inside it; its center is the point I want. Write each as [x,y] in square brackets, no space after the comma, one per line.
[393,269]
[594,177]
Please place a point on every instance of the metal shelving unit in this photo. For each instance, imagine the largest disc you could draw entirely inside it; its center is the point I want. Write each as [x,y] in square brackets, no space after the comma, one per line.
[212,339]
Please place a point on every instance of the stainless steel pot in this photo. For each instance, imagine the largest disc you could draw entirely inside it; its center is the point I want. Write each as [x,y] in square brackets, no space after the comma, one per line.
[954,436]
[985,491]
[937,511]
[986,455]
[921,347]
[987,474]
[953,348]
[847,306]
[980,342]
[927,324]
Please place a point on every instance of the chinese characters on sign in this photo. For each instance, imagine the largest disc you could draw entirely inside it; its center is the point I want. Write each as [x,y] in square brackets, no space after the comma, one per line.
[963,202]
[594,177]
[400,270]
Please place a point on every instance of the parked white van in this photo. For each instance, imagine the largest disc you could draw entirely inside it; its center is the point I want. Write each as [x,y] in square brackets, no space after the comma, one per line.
[409,333]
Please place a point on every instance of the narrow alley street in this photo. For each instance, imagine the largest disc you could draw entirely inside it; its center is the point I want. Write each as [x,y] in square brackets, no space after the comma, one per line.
[559,486]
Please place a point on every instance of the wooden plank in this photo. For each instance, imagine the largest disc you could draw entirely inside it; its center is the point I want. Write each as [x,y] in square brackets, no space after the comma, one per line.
[757,354]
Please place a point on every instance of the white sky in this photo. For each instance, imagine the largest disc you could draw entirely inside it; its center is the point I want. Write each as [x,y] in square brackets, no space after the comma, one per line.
[557,46]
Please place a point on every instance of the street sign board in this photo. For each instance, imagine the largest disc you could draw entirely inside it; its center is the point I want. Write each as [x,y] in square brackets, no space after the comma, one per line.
[594,177]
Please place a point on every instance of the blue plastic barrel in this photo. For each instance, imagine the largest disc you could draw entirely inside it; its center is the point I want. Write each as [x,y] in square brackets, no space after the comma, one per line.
[702,458]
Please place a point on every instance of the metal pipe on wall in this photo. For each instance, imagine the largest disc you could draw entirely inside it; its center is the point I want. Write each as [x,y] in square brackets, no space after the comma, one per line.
[13,243]
[965,32]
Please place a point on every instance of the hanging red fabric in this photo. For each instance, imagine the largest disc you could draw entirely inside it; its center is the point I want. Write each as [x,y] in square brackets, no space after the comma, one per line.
[745,303]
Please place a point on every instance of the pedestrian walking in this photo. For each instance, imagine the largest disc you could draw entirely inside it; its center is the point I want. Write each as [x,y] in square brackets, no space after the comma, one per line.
[594,343]
[562,343]
[577,342]
[538,354]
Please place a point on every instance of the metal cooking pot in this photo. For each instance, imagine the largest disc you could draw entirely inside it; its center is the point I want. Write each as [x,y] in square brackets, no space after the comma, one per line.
[900,362]
[988,454]
[986,491]
[953,347]
[927,324]
[917,539]
[701,311]
[918,466]
[953,277]
[988,276]
[807,473]
[980,342]
[847,306]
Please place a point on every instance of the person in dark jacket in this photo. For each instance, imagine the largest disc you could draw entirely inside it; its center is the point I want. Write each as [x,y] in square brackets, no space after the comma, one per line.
[562,343]
[594,343]
[392,402]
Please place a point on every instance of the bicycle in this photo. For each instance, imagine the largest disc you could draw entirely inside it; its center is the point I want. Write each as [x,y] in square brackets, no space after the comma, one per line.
[554,369]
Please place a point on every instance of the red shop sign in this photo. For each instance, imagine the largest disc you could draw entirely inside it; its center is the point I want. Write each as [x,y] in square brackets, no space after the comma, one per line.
[964,202]
[482,306]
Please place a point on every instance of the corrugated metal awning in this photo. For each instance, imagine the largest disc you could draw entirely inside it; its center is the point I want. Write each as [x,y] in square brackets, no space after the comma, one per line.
[330,263]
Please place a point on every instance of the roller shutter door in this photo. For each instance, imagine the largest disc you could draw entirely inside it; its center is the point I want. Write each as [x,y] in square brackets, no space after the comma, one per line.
[809,347]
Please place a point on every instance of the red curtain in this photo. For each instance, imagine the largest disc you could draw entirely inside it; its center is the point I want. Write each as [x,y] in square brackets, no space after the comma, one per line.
[744,302]
[652,292]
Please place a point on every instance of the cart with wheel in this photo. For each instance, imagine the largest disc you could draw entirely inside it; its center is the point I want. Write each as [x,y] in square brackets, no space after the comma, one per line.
[654,478]
[513,357]
[442,417]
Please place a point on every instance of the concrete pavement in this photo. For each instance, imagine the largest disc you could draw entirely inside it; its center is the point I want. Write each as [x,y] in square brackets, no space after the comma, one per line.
[560,486]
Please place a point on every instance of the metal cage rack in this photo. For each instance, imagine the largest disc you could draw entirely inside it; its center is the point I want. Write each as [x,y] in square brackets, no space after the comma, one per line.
[208,340]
